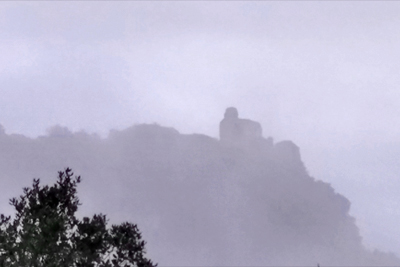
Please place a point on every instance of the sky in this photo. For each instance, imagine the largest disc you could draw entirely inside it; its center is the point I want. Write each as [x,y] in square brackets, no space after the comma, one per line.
[323,74]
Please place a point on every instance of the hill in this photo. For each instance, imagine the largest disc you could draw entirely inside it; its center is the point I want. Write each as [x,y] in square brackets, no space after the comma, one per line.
[242,200]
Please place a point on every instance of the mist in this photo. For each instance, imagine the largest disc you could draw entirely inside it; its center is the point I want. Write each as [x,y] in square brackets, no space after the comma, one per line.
[322,74]
[240,200]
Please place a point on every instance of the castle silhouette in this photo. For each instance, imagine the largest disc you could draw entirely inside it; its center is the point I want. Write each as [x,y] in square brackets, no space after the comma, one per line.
[246,135]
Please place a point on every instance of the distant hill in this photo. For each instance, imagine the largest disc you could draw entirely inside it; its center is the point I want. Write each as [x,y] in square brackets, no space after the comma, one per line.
[242,200]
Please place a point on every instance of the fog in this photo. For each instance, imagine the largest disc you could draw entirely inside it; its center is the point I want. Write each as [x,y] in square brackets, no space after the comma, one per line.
[240,200]
[322,74]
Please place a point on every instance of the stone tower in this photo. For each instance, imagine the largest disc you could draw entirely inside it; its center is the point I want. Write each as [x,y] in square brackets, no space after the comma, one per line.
[238,132]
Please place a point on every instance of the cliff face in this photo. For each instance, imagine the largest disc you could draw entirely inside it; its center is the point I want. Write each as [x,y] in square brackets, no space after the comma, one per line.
[198,200]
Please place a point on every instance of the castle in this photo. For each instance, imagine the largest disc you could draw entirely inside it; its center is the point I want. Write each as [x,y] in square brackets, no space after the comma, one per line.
[238,132]
[246,135]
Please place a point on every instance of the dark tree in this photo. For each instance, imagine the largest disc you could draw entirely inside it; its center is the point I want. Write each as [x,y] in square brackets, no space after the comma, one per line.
[46,232]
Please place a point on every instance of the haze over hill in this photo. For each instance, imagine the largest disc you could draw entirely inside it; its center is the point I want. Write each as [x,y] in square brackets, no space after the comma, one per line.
[323,74]
[242,200]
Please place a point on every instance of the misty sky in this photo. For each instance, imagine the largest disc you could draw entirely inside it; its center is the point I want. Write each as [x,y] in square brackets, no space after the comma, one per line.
[323,74]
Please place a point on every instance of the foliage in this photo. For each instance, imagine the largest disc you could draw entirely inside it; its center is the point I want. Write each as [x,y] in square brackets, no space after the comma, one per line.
[46,232]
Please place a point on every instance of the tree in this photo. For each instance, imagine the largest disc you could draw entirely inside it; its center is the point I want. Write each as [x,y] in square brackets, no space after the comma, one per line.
[46,232]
